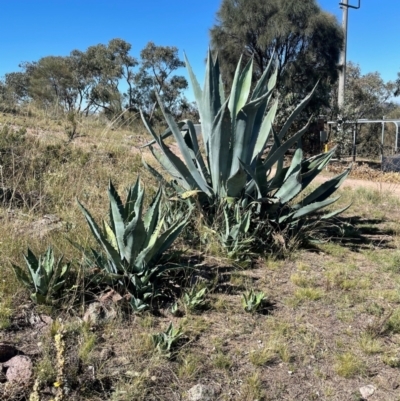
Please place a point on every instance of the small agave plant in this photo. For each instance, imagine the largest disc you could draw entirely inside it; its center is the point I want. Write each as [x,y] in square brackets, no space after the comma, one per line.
[45,275]
[133,243]
[164,342]
[233,167]
[253,301]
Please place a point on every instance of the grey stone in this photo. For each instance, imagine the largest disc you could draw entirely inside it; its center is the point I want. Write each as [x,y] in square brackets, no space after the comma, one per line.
[367,391]
[201,392]
[19,369]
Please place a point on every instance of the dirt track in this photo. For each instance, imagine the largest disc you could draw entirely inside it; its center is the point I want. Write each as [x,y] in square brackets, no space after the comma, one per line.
[392,188]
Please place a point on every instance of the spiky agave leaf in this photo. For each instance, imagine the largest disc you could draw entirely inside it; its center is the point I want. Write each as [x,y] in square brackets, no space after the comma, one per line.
[235,135]
[133,243]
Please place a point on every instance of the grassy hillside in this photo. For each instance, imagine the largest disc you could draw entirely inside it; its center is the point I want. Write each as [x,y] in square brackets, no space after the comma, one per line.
[328,325]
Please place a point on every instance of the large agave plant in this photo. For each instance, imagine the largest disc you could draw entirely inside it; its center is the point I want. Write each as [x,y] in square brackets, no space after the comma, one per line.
[233,164]
[133,243]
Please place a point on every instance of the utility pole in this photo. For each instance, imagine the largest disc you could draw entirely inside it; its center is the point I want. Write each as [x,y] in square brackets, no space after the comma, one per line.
[342,61]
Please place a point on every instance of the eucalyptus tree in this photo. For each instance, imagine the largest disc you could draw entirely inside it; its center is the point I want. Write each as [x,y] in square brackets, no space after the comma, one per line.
[304,39]
[156,76]
[99,72]
[51,82]
[16,86]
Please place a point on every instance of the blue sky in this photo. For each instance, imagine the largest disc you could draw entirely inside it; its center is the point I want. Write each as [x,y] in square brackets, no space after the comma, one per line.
[31,29]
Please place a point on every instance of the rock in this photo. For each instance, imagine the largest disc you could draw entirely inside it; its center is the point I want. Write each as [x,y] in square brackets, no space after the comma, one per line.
[93,313]
[40,321]
[110,297]
[7,351]
[367,391]
[98,313]
[19,369]
[48,223]
[201,392]
[42,227]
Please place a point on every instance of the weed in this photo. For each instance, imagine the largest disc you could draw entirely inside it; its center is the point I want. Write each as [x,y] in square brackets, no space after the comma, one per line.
[333,249]
[146,321]
[393,323]
[195,325]
[345,315]
[45,370]
[305,294]
[283,351]
[222,361]
[189,366]
[252,388]
[262,357]
[5,314]
[273,264]
[220,304]
[87,345]
[391,360]
[302,280]
[369,344]
[349,365]
[375,309]
[240,280]
[387,260]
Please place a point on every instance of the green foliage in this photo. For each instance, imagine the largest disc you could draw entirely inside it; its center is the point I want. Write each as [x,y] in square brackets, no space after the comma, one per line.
[297,32]
[397,85]
[232,167]
[165,341]
[46,275]
[157,65]
[253,301]
[175,309]
[235,236]
[133,243]
[52,81]
[88,81]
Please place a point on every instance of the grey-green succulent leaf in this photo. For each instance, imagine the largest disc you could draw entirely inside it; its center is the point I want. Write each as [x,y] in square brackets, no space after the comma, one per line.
[235,162]
[47,276]
[134,243]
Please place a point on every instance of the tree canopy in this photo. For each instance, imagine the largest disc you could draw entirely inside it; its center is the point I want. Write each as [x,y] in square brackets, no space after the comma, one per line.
[306,42]
[158,63]
[104,77]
